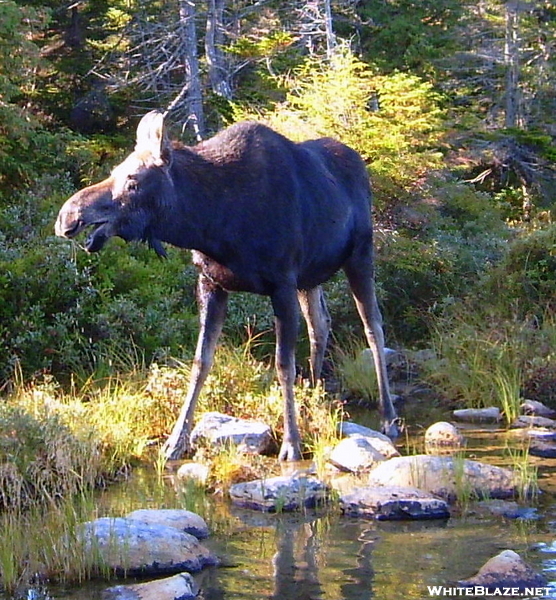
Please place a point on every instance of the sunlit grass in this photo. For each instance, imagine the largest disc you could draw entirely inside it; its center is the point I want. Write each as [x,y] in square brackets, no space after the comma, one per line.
[45,543]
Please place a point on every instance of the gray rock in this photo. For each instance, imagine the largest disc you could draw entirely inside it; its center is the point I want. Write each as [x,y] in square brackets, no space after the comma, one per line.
[380,442]
[505,509]
[538,409]
[177,587]
[444,476]
[282,493]
[184,520]
[497,508]
[533,421]
[193,471]
[136,548]
[478,415]
[355,454]
[393,504]
[442,434]
[505,570]
[252,437]
[542,449]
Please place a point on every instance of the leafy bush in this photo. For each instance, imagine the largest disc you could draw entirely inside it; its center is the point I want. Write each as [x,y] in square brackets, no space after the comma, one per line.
[497,341]
[41,460]
[400,141]
[73,314]
[524,282]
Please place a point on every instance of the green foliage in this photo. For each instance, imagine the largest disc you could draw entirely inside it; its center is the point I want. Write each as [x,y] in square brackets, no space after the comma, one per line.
[523,283]
[41,460]
[400,141]
[496,343]
[74,314]
[409,34]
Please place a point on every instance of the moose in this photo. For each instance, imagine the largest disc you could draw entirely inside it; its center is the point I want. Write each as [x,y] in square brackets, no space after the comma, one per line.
[261,214]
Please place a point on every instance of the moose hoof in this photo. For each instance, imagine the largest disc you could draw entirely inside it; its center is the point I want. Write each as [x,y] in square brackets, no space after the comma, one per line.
[289,452]
[393,428]
[175,450]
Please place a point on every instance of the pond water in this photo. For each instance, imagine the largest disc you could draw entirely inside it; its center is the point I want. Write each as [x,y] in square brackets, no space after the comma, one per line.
[325,556]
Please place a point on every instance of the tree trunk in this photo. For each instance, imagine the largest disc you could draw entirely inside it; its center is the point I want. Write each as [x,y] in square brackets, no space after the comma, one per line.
[330,37]
[194,95]
[511,58]
[214,42]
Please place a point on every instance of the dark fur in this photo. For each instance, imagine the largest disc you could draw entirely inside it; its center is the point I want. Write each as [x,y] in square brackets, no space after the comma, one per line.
[263,214]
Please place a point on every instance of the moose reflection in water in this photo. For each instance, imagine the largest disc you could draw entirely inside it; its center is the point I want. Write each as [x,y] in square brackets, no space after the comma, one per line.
[262,214]
[293,558]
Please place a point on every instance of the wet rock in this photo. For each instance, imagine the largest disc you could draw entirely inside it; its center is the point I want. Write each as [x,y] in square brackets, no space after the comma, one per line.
[542,449]
[533,421]
[444,476]
[443,435]
[184,520]
[499,508]
[252,437]
[136,548]
[355,454]
[380,442]
[178,587]
[538,409]
[505,570]
[393,504]
[193,471]
[478,415]
[282,493]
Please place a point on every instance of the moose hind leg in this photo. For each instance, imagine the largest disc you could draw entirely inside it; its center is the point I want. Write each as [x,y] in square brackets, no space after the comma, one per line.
[286,313]
[360,274]
[317,317]
[213,301]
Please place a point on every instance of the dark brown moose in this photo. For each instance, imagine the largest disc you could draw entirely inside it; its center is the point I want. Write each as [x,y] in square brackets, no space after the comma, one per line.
[262,214]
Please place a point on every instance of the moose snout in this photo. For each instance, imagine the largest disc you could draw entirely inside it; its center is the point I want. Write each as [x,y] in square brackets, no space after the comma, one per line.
[67,223]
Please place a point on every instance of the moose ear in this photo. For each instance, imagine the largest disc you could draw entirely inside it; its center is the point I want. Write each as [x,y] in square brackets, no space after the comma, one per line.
[151,136]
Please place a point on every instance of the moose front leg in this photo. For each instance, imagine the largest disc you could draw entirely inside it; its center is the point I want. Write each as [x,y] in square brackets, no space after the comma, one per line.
[286,312]
[212,301]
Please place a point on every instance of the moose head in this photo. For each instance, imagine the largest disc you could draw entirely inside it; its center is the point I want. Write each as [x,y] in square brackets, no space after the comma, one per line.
[126,204]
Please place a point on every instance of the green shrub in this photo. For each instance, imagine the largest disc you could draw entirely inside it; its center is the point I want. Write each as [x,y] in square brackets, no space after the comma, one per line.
[400,141]
[524,282]
[41,459]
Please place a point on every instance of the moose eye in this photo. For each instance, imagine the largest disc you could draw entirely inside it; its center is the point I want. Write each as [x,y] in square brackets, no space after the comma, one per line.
[131,184]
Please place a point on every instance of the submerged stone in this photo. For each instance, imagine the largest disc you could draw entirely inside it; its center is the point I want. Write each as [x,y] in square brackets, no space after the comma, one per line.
[137,548]
[282,493]
[184,520]
[252,437]
[445,476]
[502,508]
[542,449]
[534,421]
[505,570]
[491,414]
[177,587]
[393,504]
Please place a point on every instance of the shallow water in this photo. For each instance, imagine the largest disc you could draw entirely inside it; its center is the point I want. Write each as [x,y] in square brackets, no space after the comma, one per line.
[323,556]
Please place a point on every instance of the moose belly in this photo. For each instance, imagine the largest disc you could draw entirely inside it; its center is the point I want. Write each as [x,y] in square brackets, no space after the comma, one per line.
[228,279]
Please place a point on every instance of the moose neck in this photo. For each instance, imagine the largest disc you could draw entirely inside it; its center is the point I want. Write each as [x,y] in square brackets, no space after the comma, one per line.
[192,215]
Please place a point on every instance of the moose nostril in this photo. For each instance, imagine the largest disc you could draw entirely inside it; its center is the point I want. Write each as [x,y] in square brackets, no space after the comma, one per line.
[65,228]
